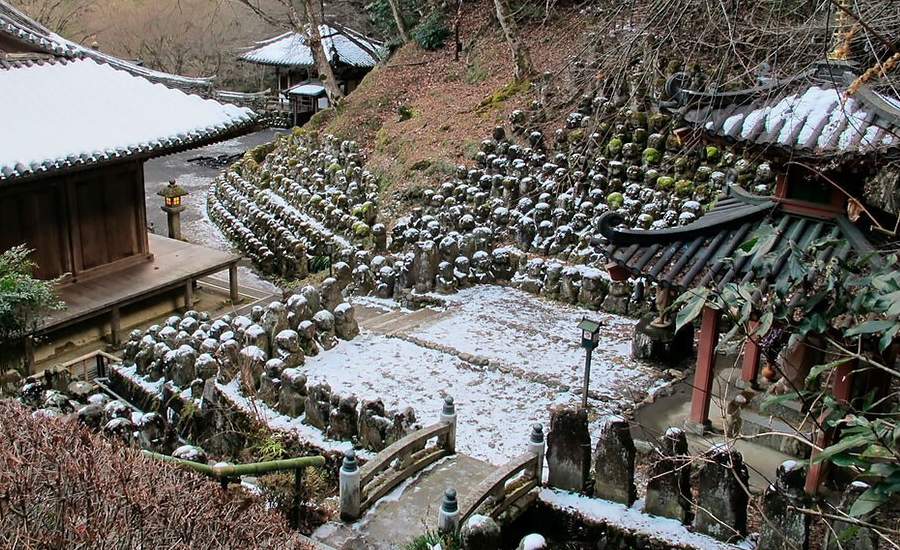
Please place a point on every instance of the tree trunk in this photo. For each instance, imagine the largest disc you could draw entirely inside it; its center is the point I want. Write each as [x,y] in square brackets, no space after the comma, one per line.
[314,41]
[398,20]
[522,67]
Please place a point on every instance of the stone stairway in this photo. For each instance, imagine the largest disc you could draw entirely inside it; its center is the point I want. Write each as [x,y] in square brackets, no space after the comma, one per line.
[395,322]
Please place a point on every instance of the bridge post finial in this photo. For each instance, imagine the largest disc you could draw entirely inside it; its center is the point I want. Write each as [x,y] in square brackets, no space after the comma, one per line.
[536,446]
[448,415]
[349,487]
[448,515]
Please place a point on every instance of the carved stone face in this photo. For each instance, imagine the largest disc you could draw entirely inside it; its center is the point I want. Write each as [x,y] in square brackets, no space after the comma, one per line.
[288,340]
[481,261]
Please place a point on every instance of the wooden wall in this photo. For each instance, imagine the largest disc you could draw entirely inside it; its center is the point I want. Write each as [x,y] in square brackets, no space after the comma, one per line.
[77,223]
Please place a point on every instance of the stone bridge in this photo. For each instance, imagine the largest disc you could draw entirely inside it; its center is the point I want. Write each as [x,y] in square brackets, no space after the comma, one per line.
[420,483]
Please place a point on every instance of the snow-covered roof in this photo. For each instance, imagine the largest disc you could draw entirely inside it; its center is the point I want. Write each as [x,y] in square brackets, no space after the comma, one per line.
[61,113]
[290,49]
[19,27]
[306,88]
[809,118]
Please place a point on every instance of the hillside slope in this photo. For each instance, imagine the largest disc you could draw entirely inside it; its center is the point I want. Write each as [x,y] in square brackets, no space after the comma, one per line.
[453,104]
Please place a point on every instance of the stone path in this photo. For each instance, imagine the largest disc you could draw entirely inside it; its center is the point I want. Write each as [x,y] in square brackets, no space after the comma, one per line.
[409,510]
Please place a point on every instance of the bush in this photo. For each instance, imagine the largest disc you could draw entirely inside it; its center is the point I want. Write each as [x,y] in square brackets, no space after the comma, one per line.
[65,487]
[23,299]
[431,31]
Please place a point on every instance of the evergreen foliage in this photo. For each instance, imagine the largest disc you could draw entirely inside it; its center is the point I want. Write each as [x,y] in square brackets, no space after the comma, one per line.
[24,300]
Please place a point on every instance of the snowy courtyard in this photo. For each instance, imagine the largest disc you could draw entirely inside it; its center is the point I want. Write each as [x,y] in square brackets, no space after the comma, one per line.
[505,356]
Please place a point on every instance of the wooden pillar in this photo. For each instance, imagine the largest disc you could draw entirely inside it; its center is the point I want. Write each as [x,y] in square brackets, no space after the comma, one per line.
[28,352]
[115,325]
[233,283]
[698,421]
[842,387]
[189,295]
[750,365]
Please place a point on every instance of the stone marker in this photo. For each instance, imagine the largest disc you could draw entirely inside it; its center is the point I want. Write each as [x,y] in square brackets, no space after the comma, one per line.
[864,538]
[785,528]
[722,491]
[480,533]
[568,449]
[614,462]
[669,486]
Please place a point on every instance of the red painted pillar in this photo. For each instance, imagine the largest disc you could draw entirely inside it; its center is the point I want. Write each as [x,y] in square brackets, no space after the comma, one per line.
[703,377]
[842,387]
[750,365]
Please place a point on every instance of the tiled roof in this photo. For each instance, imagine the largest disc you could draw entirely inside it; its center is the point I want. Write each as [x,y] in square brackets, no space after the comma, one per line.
[306,88]
[17,26]
[59,114]
[290,49]
[700,254]
[809,118]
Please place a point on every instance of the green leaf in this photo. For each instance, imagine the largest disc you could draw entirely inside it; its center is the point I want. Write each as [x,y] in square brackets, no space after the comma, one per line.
[819,369]
[777,399]
[868,501]
[846,460]
[882,469]
[691,307]
[888,337]
[845,444]
[869,327]
[765,324]
[747,246]
[876,452]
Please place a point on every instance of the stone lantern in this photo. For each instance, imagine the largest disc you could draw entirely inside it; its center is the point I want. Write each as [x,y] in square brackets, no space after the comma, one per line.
[173,208]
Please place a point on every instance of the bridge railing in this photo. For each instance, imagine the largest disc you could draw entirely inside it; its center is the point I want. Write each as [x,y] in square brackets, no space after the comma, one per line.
[509,485]
[362,487]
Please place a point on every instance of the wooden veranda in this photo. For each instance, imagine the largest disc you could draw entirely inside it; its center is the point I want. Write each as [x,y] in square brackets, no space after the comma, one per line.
[174,264]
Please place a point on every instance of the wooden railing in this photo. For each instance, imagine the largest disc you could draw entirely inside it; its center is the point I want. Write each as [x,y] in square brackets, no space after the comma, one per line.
[92,365]
[362,487]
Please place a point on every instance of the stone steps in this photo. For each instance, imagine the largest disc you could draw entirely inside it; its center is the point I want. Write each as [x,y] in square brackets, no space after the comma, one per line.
[377,323]
[413,320]
[397,322]
[768,430]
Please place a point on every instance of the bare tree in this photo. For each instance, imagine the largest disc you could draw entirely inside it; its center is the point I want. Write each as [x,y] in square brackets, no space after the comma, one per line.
[60,16]
[398,20]
[307,25]
[522,66]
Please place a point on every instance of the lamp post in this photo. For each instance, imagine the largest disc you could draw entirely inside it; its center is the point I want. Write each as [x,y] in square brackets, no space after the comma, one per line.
[329,249]
[590,335]
[172,206]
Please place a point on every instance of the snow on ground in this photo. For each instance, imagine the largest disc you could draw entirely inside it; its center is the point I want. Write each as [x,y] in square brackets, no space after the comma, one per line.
[522,330]
[534,364]
[284,423]
[669,530]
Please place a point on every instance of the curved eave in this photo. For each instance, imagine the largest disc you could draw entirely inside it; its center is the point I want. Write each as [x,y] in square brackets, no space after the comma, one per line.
[728,214]
[145,151]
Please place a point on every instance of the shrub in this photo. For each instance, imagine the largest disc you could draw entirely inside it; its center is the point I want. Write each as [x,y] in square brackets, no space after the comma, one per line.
[431,31]
[64,484]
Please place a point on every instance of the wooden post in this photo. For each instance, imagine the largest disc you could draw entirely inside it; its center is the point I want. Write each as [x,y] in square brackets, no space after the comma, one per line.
[28,352]
[189,295]
[698,421]
[750,365]
[115,325]
[233,283]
